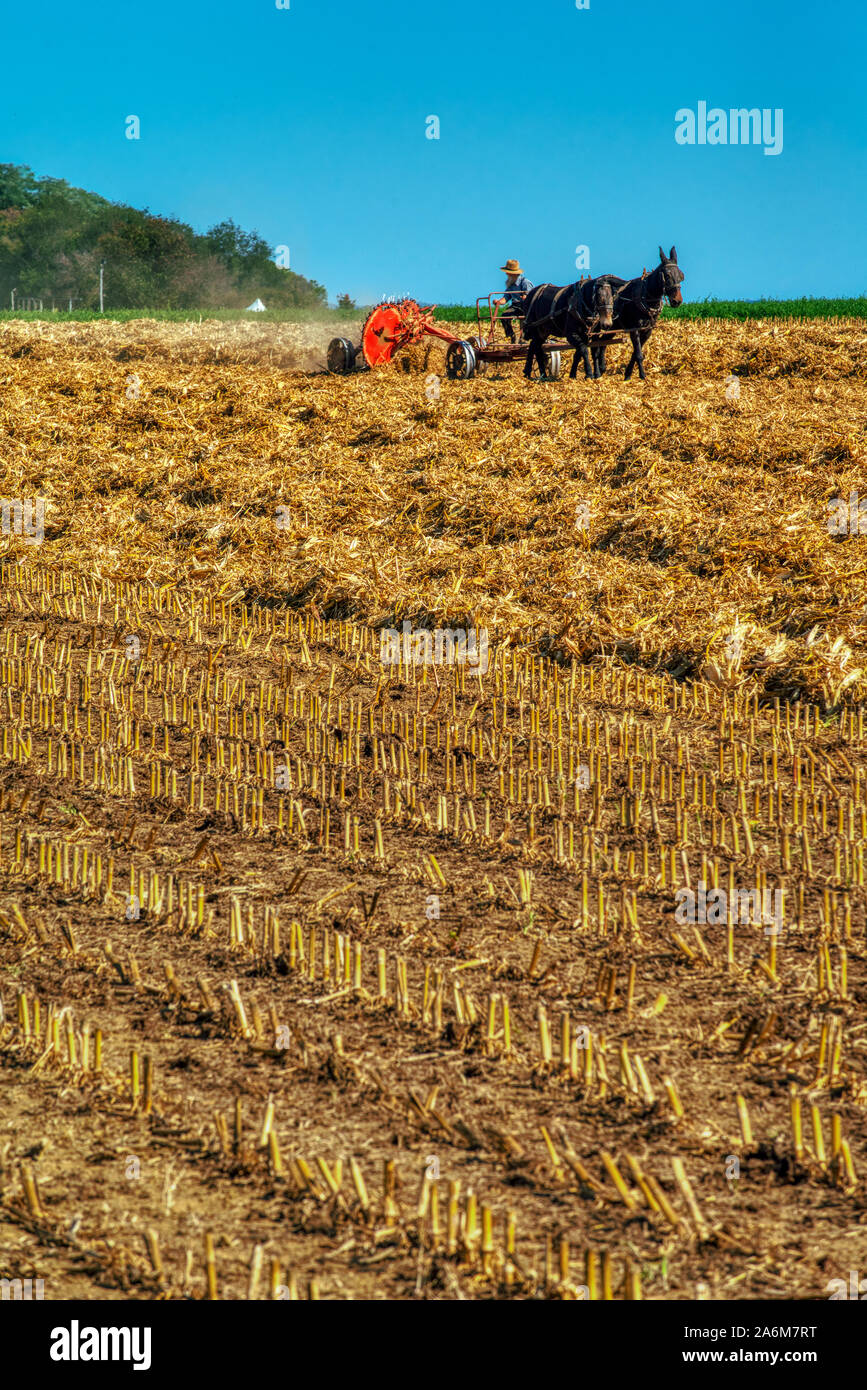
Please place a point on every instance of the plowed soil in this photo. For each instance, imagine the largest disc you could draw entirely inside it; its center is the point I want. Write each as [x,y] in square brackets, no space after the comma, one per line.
[366,979]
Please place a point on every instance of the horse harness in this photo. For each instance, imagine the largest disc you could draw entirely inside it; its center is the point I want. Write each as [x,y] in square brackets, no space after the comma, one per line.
[560,305]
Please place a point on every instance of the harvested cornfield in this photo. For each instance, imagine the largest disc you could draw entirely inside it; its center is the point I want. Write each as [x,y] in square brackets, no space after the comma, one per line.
[591,521]
[336,968]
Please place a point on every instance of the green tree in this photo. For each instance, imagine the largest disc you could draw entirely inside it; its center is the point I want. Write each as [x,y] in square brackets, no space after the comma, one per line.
[53,238]
[236,248]
[18,186]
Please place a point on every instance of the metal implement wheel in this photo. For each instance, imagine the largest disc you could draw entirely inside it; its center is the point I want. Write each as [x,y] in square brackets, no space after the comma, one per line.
[481,365]
[341,356]
[460,360]
[553,365]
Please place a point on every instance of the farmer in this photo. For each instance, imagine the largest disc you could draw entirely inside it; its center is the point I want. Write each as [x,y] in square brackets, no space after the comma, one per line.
[517,286]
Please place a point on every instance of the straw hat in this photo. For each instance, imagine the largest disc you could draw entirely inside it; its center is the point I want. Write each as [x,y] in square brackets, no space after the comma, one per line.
[512,268]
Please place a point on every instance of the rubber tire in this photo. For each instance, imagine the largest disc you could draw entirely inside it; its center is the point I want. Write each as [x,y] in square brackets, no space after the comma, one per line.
[341,356]
[460,361]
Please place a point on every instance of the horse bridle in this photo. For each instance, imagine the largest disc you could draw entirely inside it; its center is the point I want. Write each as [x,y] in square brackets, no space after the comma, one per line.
[653,314]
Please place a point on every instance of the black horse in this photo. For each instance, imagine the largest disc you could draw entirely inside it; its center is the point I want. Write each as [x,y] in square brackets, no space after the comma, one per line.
[568,311]
[637,304]
[605,286]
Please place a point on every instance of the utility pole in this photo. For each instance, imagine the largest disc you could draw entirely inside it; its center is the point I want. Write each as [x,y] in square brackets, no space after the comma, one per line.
[101,269]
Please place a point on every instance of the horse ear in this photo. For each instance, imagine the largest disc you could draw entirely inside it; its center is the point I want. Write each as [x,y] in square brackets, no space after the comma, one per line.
[662,255]
[672,255]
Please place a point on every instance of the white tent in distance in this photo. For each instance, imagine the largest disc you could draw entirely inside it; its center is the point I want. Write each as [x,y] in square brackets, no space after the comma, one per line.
[257,307]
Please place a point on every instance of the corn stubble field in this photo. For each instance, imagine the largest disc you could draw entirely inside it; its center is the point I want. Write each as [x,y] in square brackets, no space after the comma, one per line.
[287,1075]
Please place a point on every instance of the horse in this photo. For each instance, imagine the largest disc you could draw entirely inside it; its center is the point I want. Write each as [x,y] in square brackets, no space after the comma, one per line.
[607,285]
[566,311]
[637,304]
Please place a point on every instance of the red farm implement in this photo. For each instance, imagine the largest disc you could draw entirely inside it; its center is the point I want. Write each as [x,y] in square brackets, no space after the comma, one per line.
[397,324]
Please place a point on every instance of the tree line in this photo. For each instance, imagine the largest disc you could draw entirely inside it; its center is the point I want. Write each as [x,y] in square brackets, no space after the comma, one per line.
[53,238]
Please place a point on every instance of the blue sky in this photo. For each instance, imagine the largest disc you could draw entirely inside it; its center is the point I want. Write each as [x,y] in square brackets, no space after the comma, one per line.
[556,130]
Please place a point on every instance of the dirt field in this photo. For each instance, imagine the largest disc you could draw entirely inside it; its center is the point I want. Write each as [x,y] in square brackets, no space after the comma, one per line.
[324,977]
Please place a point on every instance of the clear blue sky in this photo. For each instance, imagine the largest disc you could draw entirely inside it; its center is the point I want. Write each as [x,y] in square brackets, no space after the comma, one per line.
[556,129]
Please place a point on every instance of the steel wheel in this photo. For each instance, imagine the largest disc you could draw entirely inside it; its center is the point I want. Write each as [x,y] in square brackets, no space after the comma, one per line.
[341,356]
[553,365]
[460,361]
[481,366]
